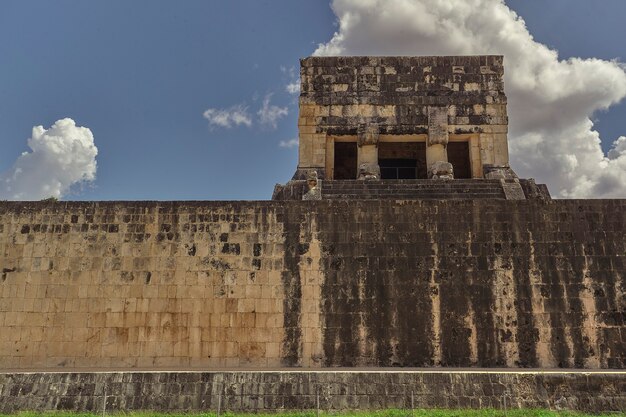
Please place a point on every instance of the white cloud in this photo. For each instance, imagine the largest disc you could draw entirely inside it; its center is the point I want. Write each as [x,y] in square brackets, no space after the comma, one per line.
[270,114]
[237,115]
[60,157]
[293,86]
[291,143]
[551,101]
[229,117]
[619,148]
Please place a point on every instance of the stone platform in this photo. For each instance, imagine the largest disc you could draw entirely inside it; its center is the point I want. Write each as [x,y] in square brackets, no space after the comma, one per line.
[341,389]
[412,189]
[313,284]
[418,189]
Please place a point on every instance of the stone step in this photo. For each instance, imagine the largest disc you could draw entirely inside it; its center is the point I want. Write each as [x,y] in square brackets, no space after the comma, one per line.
[426,193]
[420,181]
[437,184]
[415,196]
[428,184]
[411,189]
[357,185]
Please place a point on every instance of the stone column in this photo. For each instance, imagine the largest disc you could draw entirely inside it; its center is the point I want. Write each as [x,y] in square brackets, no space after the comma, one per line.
[368,135]
[436,152]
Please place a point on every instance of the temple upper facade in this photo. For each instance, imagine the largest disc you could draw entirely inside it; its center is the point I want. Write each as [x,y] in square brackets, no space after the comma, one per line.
[403,118]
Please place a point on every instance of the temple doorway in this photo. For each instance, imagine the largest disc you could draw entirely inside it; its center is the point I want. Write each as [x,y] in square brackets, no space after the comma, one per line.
[402,160]
[459,157]
[345,161]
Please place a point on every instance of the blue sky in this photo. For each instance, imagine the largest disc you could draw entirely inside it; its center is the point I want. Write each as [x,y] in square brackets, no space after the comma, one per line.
[587,29]
[139,74]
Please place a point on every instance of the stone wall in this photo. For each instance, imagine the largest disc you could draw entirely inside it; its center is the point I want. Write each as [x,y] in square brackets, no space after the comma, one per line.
[143,285]
[428,99]
[330,283]
[304,390]
[396,93]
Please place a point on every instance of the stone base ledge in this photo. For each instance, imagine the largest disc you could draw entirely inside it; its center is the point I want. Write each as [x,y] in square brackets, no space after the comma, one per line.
[278,390]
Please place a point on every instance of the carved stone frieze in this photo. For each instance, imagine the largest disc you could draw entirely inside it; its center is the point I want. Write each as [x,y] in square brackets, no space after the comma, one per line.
[437,126]
[368,134]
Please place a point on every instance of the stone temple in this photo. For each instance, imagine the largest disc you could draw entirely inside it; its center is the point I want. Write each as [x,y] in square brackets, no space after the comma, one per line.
[406,118]
[404,265]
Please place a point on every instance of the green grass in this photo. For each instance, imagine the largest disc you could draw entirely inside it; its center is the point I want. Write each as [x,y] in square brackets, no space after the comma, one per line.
[386,413]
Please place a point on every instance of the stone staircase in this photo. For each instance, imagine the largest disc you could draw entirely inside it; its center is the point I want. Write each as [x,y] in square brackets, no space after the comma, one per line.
[412,189]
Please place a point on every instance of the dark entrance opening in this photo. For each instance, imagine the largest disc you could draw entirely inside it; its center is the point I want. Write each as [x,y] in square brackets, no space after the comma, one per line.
[345,161]
[402,160]
[458,156]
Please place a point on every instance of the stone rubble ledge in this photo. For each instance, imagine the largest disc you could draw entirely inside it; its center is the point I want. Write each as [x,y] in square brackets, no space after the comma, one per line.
[274,390]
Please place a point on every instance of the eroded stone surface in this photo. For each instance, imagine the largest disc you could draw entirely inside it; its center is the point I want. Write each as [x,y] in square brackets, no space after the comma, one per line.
[327,283]
[368,134]
[302,390]
[407,99]
[314,187]
[369,171]
[441,170]
[512,189]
